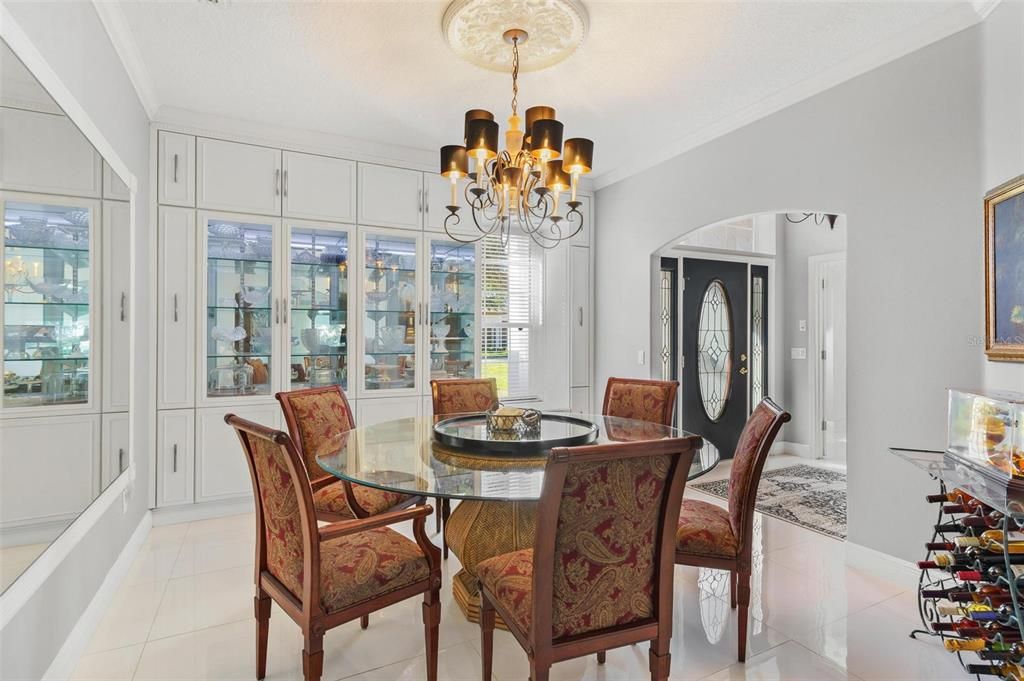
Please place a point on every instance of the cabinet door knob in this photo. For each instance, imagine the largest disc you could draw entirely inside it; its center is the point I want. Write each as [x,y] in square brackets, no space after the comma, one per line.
[123,295]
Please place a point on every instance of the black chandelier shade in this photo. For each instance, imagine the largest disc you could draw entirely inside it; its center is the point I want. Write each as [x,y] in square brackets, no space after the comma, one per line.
[578,155]
[557,179]
[482,138]
[454,161]
[475,115]
[546,139]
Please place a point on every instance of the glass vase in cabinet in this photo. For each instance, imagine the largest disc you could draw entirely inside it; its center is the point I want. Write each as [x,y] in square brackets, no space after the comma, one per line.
[49,340]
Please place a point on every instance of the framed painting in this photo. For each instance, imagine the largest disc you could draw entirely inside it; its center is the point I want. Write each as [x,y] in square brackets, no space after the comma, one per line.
[1004,272]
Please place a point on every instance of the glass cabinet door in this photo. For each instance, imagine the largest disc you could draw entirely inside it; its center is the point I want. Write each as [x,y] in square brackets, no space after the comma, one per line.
[318,322]
[391,300]
[46,304]
[452,309]
[240,314]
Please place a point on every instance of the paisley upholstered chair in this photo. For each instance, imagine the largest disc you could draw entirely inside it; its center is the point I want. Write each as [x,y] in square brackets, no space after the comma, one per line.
[600,573]
[716,537]
[314,417]
[325,576]
[460,396]
[641,399]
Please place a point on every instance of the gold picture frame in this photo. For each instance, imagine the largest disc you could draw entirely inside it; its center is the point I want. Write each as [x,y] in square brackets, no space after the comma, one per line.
[1004,272]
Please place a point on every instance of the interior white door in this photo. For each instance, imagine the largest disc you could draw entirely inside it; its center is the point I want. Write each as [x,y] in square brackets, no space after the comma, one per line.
[828,299]
[221,468]
[116,284]
[40,152]
[177,168]
[390,197]
[176,308]
[174,457]
[319,187]
[242,178]
[579,277]
[115,444]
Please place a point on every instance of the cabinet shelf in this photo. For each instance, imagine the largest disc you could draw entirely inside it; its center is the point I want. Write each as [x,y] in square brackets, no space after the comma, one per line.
[241,355]
[319,354]
[385,270]
[47,248]
[238,309]
[215,258]
[48,304]
[318,309]
[453,314]
[8,360]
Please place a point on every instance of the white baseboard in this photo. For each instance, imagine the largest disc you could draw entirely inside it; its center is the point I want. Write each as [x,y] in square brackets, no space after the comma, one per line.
[794,448]
[64,663]
[186,513]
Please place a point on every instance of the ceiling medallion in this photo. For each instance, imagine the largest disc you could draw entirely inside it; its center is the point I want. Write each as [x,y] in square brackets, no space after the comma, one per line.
[518,186]
[474,30]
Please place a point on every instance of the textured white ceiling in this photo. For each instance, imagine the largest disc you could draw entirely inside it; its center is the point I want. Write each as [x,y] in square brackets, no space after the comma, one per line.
[648,75]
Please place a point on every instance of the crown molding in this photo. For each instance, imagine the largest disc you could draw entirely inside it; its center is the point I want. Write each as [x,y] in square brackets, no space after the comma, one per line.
[116,25]
[958,18]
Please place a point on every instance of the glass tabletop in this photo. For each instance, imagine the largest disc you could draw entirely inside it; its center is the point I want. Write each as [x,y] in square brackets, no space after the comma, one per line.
[403,456]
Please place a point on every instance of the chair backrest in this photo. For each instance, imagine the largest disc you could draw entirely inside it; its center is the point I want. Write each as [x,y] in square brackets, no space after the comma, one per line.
[606,536]
[642,399]
[314,416]
[285,519]
[463,395]
[756,439]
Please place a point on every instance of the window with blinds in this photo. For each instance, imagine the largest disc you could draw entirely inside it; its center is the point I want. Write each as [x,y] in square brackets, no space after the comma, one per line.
[510,313]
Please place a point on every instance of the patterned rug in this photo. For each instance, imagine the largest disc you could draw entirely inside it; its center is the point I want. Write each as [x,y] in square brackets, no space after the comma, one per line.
[810,497]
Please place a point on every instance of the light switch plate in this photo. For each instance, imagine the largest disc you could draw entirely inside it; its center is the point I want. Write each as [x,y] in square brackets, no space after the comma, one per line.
[803,324]
[798,353]
[641,357]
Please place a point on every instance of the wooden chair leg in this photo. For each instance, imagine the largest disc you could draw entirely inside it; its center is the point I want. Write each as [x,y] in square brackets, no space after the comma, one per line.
[732,589]
[431,623]
[743,596]
[600,657]
[486,636]
[262,607]
[364,621]
[660,659]
[446,510]
[313,657]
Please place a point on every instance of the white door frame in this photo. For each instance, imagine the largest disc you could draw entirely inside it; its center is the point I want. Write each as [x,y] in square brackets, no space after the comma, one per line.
[814,338]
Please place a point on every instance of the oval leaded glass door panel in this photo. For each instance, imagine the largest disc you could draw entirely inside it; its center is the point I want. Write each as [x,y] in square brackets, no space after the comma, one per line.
[714,349]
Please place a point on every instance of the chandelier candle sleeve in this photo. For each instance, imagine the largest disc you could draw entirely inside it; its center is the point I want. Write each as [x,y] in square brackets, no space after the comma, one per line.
[454,164]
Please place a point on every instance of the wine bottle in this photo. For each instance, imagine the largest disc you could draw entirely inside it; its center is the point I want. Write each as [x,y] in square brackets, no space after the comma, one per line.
[970,610]
[993,520]
[954,496]
[1007,671]
[956,645]
[940,546]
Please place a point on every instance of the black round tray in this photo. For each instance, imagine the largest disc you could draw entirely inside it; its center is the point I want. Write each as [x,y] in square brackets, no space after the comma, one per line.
[526,446]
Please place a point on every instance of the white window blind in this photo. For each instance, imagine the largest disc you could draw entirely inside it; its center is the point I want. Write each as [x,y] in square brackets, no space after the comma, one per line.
[511,313]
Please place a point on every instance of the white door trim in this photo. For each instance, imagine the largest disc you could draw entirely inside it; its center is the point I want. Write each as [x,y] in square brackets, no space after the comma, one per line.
[815,343]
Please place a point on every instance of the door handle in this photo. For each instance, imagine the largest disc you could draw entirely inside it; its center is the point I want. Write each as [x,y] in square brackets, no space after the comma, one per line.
[743,371]
[286,183]
[123,295]
[277,182]
[175,169]
[277,313]
[284,306]
[743,357]
[581,315]
[175,307]
[174,459]
[120,460]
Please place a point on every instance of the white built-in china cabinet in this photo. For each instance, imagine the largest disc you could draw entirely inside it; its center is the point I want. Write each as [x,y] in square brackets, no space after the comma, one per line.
[281,269]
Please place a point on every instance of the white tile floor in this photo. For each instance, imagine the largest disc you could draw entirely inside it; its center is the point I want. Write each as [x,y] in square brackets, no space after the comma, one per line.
[185,613]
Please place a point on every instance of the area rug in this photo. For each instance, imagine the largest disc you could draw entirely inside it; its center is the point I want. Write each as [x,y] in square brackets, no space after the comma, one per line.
[810,497]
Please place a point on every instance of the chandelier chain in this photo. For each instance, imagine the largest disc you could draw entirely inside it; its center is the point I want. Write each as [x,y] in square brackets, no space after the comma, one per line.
[515,75]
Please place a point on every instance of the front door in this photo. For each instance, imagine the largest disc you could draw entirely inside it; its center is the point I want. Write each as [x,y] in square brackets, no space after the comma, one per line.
[715,351]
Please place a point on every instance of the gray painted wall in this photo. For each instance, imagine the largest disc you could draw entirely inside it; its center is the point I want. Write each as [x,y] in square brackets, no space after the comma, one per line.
[796,243]
[1003,157]
[76,46]
[896,150]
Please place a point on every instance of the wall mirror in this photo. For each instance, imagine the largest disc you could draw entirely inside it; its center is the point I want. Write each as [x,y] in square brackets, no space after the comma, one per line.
[65,248]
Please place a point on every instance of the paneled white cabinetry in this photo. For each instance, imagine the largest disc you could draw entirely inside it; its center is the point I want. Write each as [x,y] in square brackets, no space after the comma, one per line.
[221,470]
[63,451]
[177,169]
[242,178]
[579,309]
[175,457]
[579,400]
[115,456]
[438,192]
[31,144]
[117,223]
[390,197]
[378,410]
[113,187]
[318,187]
[176,308]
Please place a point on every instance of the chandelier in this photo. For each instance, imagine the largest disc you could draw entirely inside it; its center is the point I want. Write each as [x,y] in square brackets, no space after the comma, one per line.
[520,186]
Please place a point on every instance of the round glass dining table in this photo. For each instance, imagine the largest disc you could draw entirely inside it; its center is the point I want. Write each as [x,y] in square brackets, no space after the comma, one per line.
[498,489]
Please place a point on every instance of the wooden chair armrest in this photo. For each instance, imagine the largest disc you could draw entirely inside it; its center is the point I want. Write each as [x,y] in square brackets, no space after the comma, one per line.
[346,527]
[320,483]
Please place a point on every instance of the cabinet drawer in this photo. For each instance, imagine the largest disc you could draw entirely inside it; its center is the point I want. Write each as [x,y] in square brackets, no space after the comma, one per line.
[115,447]
[174,457]
[221,468]
[390,197]
[177,169]
[176,308]
[242,178]
[117,255]
[319,187]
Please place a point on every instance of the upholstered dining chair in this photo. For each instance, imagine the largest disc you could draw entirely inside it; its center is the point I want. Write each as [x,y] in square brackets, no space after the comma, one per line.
[600,573]
[715,537]
[314,416]
[459,396]
[642,399]
[325,576]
